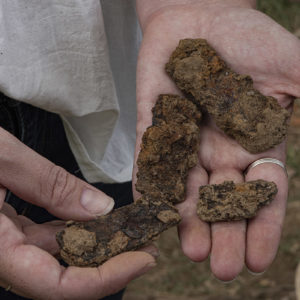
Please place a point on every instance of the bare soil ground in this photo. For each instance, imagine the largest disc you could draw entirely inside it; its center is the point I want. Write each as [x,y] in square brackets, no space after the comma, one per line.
[177,278]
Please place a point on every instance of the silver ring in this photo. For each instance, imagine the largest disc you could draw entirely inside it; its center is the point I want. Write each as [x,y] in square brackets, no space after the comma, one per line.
[266,160]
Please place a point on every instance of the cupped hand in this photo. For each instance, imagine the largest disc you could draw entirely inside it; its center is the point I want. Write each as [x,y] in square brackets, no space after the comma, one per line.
[27,264]
[253,44]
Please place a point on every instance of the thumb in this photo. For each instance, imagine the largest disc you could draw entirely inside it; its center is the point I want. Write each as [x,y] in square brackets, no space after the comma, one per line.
[107,279]
[37,180]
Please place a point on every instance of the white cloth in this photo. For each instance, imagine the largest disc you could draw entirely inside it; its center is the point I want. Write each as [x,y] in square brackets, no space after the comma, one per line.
[59,56]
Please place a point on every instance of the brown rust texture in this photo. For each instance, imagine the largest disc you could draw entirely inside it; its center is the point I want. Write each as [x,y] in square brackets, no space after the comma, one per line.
[229,201]
[128,228]
[255,121]
[169,149]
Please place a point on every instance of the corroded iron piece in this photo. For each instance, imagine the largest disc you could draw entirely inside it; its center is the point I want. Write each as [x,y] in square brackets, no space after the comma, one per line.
[127,228]
[255,121]
[229,201]
[169,149]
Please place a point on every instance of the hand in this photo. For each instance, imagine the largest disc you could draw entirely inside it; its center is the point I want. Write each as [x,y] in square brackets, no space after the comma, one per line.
[26,263]
[251,43]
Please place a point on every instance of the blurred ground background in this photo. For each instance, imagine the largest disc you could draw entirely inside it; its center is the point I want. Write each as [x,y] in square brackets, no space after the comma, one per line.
[177,278]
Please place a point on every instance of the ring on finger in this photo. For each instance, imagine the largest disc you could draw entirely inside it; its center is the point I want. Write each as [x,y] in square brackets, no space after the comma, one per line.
[265,160]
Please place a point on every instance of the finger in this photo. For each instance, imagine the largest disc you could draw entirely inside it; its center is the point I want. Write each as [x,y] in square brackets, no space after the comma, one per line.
[194,234]
[228,238]
[263,234]
[151,249]
[24,221]
[107,279]
[36,274]
[2,195]
[18,220]
[35,179]
[41,235]
[8,210]
[44,235]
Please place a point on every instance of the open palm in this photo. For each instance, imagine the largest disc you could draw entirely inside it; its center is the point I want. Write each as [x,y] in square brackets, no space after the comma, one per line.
[252,44]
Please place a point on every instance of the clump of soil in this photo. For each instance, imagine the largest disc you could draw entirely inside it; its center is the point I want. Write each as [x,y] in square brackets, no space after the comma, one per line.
[255,121]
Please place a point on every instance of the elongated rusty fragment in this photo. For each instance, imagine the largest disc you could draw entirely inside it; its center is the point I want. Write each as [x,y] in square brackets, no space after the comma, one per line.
[229,201]
[255,121]
[124,229]
[169,149]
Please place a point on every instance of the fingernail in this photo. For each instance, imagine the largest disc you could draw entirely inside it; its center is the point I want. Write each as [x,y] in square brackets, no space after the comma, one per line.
[226,282]
[151,265]
[151,250]
[255,273]
[96,204]
[223,281]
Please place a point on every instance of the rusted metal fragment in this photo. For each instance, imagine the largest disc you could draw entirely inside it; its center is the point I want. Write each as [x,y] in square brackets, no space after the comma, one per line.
[124,229]
[255,121]
[229,201]
[169,149]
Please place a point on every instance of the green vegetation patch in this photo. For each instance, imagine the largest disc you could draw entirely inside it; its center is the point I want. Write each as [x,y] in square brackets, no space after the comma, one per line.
[285,12]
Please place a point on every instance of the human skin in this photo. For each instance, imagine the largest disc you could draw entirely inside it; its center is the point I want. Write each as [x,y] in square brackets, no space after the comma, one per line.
[251,43]
[27,264]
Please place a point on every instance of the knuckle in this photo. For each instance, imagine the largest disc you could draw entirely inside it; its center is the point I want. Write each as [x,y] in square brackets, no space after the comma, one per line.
[57,187]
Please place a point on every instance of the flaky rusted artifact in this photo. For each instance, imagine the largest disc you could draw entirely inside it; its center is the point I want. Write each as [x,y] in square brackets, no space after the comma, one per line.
[168,149]
[255,121]
[124,229]
[229,201]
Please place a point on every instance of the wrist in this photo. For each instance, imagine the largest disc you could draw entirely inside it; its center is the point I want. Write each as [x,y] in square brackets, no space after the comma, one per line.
[147,10]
